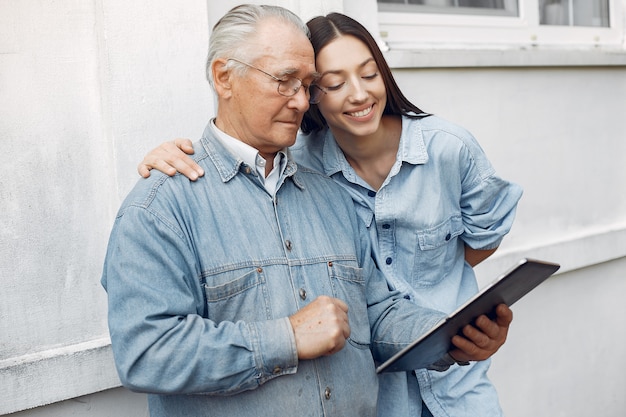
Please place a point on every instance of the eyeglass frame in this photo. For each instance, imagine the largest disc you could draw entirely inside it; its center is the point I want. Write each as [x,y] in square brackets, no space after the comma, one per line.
[281,82]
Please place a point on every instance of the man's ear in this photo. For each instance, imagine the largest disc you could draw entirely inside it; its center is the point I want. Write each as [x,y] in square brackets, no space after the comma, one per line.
[221,77]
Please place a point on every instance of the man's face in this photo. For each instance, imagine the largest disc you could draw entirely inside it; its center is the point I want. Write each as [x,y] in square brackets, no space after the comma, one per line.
[253,111]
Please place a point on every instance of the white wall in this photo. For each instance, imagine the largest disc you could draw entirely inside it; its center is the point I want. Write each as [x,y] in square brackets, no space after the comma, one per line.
[87,88]
[565,353]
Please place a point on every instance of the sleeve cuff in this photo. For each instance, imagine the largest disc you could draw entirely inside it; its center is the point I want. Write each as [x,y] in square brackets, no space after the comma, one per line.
[275,348]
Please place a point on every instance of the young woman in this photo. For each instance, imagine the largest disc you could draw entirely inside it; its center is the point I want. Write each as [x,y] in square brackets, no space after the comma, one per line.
[423,186]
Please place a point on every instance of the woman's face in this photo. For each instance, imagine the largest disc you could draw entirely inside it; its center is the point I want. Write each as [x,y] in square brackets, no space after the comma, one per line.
[356,95]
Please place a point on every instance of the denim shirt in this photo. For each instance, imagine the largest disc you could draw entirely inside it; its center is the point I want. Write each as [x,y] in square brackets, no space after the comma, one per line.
[202,276]
[441,194]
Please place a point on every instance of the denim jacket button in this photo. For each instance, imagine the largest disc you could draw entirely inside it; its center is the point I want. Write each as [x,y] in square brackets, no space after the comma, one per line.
[259,270]
[277,370]
[288,244]
[327,393]
[448,236]
[303,293]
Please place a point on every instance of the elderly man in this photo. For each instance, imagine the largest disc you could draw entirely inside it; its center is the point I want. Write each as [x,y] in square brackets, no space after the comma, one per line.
[246,292]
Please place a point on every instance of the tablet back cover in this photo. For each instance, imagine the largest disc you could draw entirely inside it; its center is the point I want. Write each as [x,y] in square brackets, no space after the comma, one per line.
[507,289]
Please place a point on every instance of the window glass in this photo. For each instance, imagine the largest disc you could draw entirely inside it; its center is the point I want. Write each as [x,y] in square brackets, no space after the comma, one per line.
[594,13]
[410,24]
[482,7]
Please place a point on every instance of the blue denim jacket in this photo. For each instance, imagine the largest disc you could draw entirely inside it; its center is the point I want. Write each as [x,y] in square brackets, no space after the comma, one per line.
[441,194]
[202,276]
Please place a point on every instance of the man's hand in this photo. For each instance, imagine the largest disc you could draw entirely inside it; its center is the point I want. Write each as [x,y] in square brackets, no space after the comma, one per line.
[321,328]
[171,157]
[484,339]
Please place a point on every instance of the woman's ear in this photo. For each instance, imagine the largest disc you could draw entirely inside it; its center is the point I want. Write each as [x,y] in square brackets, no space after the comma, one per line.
[221,77]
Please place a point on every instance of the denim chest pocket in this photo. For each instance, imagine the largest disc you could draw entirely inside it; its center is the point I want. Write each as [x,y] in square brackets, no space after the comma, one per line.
[237,295]
[436,249]
[349,286]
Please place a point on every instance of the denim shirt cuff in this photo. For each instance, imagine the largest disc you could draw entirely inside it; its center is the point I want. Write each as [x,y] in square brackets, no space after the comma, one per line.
[275,348]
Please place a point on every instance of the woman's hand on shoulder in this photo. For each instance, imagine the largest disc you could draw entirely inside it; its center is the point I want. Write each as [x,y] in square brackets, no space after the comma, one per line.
[171,157]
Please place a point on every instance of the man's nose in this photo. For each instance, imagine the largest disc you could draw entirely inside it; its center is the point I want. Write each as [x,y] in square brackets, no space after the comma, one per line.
[300,100]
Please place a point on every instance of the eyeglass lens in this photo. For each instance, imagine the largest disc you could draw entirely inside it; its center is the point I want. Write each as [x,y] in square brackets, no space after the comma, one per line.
[315,94]
[289,86]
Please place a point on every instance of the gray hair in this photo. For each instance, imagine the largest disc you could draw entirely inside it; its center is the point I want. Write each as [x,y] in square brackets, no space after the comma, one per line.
[240,24]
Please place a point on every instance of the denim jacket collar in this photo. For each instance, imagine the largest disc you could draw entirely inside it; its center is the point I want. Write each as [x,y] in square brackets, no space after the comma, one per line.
[228,165]
[412,150]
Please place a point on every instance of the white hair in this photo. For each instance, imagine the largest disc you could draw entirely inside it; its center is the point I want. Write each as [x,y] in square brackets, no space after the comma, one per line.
[231,33]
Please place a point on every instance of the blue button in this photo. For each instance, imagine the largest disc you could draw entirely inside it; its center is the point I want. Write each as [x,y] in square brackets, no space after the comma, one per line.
[386,226]
[448,236]
[388,261]
[371,193]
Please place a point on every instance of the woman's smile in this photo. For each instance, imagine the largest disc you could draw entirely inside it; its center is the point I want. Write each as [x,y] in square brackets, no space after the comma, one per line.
[361,113]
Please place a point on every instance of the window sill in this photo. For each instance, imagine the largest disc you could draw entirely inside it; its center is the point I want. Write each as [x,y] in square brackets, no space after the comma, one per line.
[572,252]
[446,57]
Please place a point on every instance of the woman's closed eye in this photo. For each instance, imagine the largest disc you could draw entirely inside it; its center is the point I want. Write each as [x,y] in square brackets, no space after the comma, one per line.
[338,85]
[335,87]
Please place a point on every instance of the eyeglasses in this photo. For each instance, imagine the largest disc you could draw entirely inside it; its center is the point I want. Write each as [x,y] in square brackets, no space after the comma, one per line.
[316,93]
[289,86]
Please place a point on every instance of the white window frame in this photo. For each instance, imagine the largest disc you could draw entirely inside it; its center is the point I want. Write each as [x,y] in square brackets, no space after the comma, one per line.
[410,31]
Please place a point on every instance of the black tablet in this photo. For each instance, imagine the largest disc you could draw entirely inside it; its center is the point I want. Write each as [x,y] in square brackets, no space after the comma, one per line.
[507,289]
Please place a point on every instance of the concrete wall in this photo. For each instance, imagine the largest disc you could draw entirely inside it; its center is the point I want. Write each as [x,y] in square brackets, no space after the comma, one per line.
[88,87]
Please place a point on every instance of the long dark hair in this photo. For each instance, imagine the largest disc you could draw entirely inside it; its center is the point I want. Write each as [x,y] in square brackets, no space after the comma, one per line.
[325,29]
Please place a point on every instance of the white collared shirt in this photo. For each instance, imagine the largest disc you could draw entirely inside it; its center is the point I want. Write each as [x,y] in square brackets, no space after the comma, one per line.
[251,157]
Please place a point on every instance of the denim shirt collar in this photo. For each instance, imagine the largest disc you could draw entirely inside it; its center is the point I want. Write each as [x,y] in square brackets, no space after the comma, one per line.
[412,150]
[228,165]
